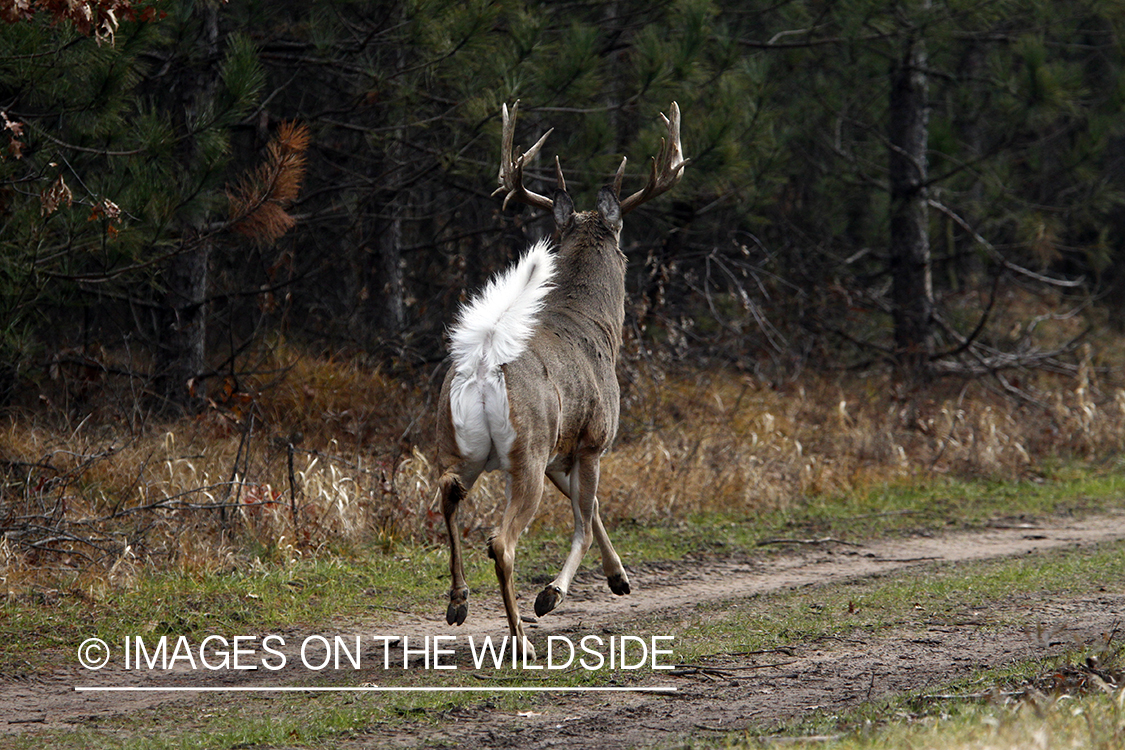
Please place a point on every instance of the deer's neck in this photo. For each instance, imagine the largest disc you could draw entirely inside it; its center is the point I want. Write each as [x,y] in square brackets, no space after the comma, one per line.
[590,290]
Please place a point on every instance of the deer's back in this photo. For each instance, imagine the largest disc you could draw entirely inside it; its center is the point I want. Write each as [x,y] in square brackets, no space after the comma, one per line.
[565,384]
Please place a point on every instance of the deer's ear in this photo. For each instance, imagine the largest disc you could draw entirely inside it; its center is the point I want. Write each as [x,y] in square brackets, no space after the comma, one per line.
[563,208]
[609,207]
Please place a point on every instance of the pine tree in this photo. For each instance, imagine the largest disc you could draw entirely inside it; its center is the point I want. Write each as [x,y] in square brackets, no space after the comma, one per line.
[63,99]
[118,193]
[978,129]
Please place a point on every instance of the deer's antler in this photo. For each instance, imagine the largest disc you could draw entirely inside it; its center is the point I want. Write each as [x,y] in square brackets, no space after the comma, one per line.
[667,166]
[512,163]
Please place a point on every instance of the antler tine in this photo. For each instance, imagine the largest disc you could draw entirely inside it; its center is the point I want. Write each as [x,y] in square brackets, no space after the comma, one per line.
[667,167]
[559,174]
[512,163]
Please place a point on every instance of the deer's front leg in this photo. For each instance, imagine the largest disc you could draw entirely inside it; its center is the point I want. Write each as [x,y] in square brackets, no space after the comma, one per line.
[581,486]
[614,571]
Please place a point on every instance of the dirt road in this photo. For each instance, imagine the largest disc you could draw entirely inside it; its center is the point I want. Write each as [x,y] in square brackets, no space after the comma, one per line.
[730,692]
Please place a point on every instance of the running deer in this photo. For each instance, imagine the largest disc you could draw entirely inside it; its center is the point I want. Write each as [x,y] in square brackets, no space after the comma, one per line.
[533,387]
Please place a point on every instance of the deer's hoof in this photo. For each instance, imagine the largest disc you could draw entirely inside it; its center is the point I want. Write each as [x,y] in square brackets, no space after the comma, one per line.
[548,599]
[619,584]
[455,614]
[458,608]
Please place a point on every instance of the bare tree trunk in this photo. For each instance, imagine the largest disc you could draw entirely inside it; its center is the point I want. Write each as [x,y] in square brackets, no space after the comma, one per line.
[181,352]
[391,310]
[912,288]
[182,347]
[387,308]
[379,311]
[970,268]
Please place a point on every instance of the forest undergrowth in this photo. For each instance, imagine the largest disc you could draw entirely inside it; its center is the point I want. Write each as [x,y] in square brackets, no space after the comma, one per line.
[324,451]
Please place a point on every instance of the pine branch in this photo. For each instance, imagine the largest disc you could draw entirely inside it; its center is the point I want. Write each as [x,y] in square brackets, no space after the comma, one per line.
[259,201]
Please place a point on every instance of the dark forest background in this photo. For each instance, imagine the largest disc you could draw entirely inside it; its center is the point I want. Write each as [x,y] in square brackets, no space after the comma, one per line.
[919,185]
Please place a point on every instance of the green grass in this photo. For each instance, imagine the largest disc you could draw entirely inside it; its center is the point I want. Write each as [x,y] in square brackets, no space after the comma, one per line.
[346,584]
[927,504]
[41,625]
[995,709]
[306,720]
[784,618]
[990,594]
[943,502]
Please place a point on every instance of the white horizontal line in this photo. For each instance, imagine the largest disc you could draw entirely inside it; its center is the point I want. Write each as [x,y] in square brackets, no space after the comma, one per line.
[371,689]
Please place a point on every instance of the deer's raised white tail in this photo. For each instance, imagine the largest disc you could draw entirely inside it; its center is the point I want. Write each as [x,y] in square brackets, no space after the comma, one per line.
[493,329]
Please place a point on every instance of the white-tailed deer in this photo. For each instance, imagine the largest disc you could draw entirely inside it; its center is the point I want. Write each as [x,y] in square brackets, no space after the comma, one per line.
[533,387]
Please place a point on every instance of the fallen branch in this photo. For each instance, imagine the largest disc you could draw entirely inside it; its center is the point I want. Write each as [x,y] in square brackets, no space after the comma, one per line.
[825,540]
[787,650]
[689,670]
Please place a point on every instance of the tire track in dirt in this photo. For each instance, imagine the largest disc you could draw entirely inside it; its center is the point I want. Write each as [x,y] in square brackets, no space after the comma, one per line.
[760,689]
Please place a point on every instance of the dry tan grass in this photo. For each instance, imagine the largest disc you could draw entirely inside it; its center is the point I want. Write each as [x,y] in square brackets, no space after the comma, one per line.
[214,491]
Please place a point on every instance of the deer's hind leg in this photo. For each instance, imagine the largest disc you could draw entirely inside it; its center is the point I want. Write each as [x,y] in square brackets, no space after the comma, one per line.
[524,490]
[454,486]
